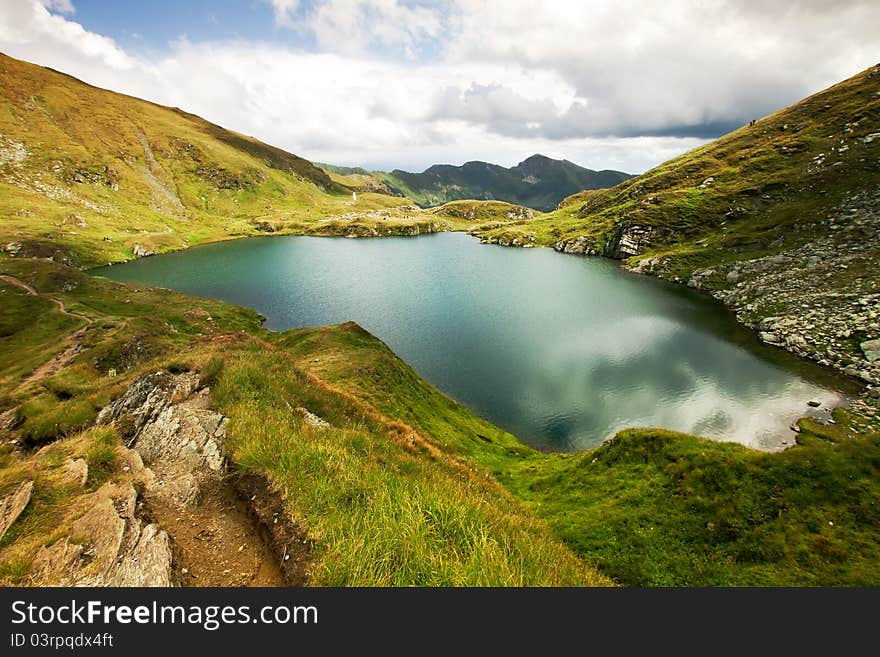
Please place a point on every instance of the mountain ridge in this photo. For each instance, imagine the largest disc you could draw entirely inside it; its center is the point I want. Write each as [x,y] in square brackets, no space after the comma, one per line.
[538,182]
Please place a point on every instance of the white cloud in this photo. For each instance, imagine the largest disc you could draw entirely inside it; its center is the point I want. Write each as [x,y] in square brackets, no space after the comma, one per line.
[63,6]
[608,84]
[355,26]
[36,34]
[285,10]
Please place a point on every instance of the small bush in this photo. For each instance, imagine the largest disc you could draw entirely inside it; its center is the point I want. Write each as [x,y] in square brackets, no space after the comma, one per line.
[14,571]
[44,419]
[210,372]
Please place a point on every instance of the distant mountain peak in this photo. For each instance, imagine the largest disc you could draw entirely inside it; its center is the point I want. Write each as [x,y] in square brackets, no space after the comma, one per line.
[538,158]
[538,182]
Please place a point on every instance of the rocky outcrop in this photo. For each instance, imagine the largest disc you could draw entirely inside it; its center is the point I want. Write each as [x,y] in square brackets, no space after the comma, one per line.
[107,546]
[141,251]
[580,244]
[13,504]
[525,240]
[698,276]
[77,471]
[313,420]
[178,453]
[169,424]
[871,350]
[265,227]
[628,240]
[625,241]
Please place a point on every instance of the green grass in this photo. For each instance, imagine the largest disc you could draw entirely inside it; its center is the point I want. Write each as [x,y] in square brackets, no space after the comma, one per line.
[382,509]
[657,508]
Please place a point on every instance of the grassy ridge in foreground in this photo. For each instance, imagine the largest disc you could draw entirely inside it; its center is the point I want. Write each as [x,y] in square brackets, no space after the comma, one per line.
[385,505]
[653,507]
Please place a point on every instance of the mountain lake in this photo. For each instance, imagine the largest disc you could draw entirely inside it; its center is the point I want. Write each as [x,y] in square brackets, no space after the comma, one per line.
[561,350]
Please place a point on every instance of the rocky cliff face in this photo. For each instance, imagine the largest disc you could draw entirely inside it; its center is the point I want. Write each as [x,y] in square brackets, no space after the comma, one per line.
[174,432]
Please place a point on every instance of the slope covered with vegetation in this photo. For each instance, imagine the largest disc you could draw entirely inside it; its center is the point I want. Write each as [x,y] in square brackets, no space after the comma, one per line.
[92,176]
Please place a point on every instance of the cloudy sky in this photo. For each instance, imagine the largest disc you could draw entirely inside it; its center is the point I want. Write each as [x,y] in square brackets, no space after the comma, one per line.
[619,84]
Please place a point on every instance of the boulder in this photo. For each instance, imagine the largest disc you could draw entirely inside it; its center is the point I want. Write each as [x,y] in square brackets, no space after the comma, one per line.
[312,419]
[142,251]
[696,279]
[579,244]
[871,349]
[77,470]
[13,504]
[107,546]
[769,338]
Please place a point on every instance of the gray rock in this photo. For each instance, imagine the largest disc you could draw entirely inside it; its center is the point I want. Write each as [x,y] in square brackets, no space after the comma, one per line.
[871,349]
[174,432]
[696,279]
[141,251]
[77,470]
[577,245]
[312,419]
[13,504]
[107,546]
[769,338]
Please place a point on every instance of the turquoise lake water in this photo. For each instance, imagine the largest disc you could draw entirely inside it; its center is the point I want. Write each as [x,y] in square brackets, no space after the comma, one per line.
[561,350]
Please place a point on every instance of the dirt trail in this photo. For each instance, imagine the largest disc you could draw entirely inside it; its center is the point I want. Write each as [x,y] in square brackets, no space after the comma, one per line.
[227,528]
[217,543]
[73,341]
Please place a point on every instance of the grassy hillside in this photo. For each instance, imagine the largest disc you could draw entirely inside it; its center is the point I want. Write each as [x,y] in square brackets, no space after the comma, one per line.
[736,196]
[538,182]
[90,176]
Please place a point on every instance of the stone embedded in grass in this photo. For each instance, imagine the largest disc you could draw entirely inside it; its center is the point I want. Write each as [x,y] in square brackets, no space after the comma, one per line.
[871,349]
[13,504]
[77,470]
